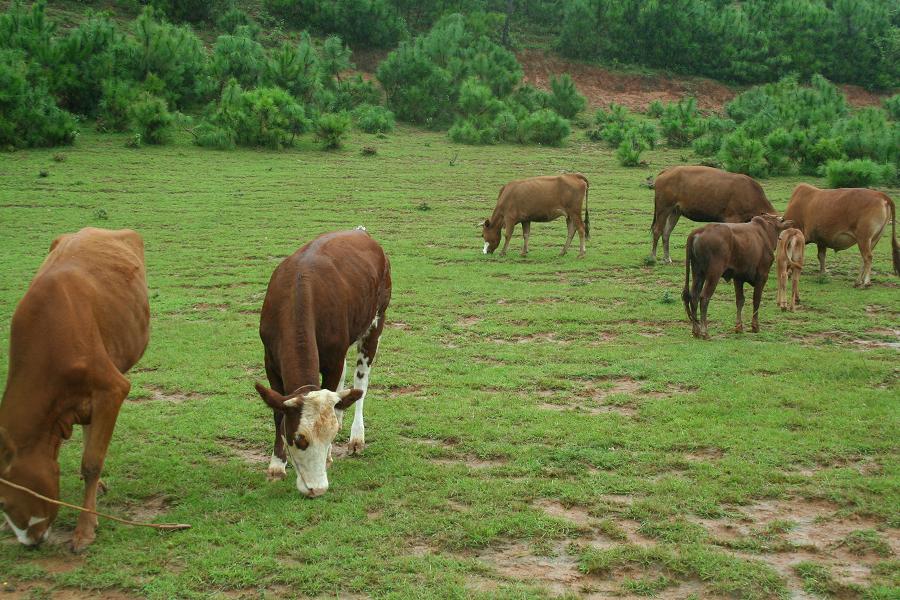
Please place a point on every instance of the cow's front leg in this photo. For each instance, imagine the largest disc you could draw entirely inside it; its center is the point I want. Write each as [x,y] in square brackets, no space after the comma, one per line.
[509,232]
[278,463]
[97,435]
[822,250]
[739,301]
[526,232]
[367,348]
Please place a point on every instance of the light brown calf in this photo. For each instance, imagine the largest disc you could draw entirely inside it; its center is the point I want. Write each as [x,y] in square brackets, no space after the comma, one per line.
[789,263]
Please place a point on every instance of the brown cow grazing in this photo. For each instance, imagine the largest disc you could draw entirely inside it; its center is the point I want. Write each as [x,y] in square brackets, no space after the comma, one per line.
[83,322]
[840,218]
[740,251]
[539,199]
[330,293]
[789,265]
[703,194]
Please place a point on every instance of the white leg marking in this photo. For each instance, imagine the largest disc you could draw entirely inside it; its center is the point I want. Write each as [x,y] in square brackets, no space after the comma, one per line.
[361,382]
[277,468]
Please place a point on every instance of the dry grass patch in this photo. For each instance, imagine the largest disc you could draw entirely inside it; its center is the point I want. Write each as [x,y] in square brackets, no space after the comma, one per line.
[167,395]
[248,452]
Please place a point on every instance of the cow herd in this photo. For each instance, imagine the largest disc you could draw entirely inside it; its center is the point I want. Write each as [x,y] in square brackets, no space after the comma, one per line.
[84,320]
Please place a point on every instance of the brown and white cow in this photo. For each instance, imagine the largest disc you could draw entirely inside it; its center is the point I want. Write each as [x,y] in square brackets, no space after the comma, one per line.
[740,251]
[703,194]
[789,265]
[330,293]
[539,199]
[843,217]
[83,322]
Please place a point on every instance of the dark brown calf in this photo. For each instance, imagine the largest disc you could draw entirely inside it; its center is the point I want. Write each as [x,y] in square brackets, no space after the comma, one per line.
[331,293]
[539,199]
[703,194]
[740,251]
[789,265]
[83,322]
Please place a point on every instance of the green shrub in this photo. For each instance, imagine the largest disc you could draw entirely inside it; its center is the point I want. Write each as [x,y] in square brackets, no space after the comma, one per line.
[857,173]
[565,99]
[778,146]
[238,57]
[814,152]
[172,55]
[295,68]
[506,126]
[208,135]
[29,115]
[544,127]
[363,23]
[151,119]
[629,151]
[373,119]
[347,94]
[114,109]
[331,129]
[234,18]
[529,98]
[681,123]
[466,131]
[868,134]
[892,106]
[742,154]
[655,109]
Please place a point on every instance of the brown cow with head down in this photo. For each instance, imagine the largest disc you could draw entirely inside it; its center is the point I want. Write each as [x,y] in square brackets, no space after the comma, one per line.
[740,251]
[539,199]
[330,293]
[703,194]
[83,322]
[840,218]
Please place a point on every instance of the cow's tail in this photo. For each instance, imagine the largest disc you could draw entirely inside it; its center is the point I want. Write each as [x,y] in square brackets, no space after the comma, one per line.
[587,217]
[895,250]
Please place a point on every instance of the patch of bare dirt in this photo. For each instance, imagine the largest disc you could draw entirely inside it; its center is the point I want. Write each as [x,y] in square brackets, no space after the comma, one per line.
[603,337]
[604,409]
[472,462]
[208,306]
[534,337]
[893,340]
[404,390]
[468,321]
[398,325]
[246,451]
[816,533]
[706,454]
[57,565]
[575,514]
[149,508]
[515,560]
[173,396]
[601,86]
[12,590]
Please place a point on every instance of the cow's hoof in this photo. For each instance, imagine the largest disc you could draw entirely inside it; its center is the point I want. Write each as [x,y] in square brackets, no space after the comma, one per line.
[275,474]
[355,446]
[755,329]
[581,255]
[81,540]
[667,260]
[102,488]
[739,329]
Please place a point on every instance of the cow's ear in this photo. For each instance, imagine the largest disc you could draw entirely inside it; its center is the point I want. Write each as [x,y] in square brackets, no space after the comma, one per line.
[275,400]
[7,451]
[347,398]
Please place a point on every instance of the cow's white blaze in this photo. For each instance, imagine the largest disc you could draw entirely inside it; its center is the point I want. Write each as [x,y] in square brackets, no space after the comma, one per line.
[22,534]
[486,246]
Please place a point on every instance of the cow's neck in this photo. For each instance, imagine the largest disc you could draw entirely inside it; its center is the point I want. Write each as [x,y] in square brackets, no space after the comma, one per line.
[37,423]
[497,217]
[300,356]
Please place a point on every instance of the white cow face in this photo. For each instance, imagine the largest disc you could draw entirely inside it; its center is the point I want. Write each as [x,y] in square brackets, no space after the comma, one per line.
[309,426]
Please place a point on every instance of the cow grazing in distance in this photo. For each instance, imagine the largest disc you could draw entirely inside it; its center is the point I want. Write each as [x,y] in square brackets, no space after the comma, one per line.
[703,194]
[539,199]
[789,265]
[843,217]
[83,323]
[329,294]
[742,252]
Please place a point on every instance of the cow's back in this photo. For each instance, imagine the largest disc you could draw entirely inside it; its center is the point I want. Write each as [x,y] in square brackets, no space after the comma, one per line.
[542,198]
[706,194]
[91,288]
[827,215]
[336,283]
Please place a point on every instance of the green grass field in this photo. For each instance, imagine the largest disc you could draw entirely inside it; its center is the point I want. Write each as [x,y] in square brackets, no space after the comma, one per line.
[536,427]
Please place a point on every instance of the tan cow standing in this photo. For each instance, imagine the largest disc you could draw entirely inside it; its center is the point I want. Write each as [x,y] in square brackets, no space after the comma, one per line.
[83,322]
[789,264]
[706,195]
[840,218]
[539,199]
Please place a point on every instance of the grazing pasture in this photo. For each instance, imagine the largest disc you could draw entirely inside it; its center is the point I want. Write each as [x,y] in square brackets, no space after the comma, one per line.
[535,427]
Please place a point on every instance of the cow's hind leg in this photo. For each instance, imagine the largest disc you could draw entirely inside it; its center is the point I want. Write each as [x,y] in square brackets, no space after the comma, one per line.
[671,221]
[367,347]
[105,406]
[571,234]
[709,288]
[579,227]
[795,287]
[865,272]
[822,250]
[739,301]
[526,232]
